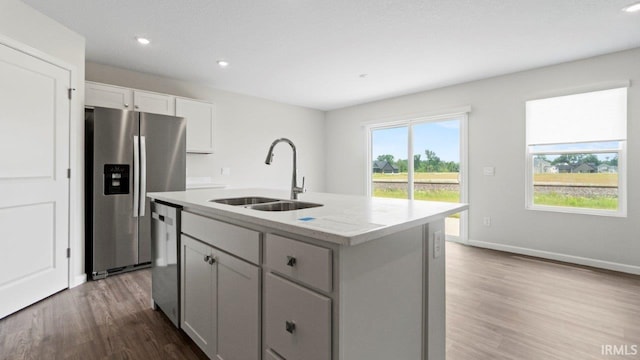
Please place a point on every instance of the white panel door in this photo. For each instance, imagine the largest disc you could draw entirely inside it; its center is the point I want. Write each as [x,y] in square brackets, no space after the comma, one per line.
[34,189]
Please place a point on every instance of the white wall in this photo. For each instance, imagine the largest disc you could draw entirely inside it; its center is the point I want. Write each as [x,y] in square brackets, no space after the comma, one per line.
[245,127]
[496,138]
[23,24]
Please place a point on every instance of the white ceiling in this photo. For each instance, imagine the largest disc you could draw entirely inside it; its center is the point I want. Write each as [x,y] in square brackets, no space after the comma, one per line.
[312,52]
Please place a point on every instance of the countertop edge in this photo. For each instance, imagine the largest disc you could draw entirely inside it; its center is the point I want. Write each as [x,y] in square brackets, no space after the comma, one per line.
[314,233]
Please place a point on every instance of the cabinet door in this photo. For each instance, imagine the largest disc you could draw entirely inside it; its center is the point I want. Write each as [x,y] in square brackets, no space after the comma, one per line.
[238,310]
[108,96]
[155,103]
[199,117]
[198,294]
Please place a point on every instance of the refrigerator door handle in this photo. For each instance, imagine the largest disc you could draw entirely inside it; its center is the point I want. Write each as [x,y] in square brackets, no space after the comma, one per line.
[136,176]
[143,174]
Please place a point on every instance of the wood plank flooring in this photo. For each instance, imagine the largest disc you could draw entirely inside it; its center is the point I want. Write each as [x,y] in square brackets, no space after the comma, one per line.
[506,306]
[106,319]
[499,306]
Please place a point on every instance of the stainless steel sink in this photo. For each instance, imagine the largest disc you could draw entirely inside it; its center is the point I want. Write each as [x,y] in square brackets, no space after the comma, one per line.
[266,204]
[284,206]
[242,201]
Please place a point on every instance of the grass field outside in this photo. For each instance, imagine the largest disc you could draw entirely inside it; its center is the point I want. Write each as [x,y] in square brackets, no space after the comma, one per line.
[596,180]
[554,199]
[436,195]
[449,177]
[582,179]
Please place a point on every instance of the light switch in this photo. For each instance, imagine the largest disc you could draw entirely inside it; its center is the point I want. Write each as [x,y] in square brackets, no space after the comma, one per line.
[489,171]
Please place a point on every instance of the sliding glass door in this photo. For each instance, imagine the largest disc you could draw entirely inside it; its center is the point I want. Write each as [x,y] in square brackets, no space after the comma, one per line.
[422,160]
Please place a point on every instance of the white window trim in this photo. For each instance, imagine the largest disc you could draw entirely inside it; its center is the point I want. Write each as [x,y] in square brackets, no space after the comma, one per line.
[463,114]
[622,183]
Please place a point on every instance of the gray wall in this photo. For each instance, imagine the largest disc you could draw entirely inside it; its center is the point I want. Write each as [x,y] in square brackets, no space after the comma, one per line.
[496,138]
[25,25]
[245,127]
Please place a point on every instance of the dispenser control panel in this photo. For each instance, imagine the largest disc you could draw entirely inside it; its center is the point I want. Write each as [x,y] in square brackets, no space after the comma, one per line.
[116,179]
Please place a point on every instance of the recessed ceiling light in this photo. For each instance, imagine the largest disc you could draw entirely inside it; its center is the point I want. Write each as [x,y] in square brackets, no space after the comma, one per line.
[363,75]
[632,8]
[143,41]
[223,63]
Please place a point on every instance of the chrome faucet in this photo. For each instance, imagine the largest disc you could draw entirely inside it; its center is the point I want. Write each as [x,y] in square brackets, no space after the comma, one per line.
[295,189]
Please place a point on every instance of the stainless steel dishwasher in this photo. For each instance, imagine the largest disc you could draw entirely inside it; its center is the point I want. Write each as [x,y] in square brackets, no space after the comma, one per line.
[165,248]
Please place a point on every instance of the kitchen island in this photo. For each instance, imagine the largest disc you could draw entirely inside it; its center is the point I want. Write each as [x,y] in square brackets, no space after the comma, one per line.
[355,278]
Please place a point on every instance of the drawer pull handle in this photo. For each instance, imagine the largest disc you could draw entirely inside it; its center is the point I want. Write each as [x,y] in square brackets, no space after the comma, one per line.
[291,261]
[290,326]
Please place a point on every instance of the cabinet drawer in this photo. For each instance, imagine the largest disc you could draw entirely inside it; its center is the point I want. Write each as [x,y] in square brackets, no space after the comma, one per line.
[297,320]
[233,239]
[308,263]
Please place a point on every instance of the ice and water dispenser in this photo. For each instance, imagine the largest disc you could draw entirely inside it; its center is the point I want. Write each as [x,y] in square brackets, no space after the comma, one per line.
[116,179]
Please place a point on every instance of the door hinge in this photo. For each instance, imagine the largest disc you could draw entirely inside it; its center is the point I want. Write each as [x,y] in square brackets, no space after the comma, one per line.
[68,253]
[71,90]
[68,173]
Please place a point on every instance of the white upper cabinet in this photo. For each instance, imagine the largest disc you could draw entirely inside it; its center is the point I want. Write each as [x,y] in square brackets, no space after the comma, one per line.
[155,103]
[117,97]
[199,114]
[108,96]
[200,124]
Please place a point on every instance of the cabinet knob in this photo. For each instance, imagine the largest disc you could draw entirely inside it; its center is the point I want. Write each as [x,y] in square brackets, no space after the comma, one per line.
[136,106]
[126,105]
[207,258]
[290,326]
[212,260]
[291,261]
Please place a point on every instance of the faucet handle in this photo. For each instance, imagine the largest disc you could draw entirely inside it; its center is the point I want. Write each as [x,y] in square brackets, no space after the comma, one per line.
[302,188]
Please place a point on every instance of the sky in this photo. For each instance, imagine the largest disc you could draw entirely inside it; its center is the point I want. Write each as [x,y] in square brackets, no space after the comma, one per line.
[442,137]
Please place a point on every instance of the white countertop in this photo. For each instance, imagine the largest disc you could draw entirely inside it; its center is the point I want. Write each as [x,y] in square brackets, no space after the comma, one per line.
[343,219]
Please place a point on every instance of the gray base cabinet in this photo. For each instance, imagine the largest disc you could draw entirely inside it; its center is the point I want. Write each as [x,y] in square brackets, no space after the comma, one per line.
[220,302]
[198,293]
[251,292]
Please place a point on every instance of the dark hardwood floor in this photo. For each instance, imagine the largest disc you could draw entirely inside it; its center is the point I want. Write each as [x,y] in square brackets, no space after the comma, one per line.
[499,306]
[106,319]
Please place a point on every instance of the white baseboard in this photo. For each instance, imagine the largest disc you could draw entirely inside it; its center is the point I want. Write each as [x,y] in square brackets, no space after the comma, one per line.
[630,269]
[78,280]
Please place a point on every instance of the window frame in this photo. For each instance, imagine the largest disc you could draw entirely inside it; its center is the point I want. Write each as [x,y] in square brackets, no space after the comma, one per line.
[621,151]
[463,115]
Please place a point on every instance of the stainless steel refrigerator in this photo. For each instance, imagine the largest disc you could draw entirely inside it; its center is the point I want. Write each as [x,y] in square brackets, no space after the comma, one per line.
[127,155]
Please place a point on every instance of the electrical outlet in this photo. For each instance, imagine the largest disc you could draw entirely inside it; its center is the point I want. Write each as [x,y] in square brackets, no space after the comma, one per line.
[489,171]
[225,171]
[438,243]
[486,221]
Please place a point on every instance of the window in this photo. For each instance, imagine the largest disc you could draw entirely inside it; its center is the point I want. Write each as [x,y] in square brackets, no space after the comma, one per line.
[576,151]
[422,160]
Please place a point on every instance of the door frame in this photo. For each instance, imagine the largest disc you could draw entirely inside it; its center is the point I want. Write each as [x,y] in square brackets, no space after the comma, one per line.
[409,121]
[74,216]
